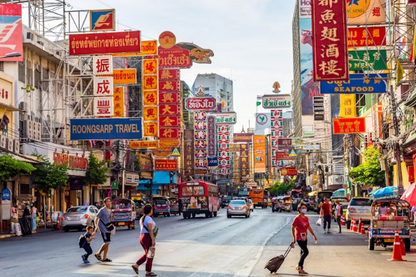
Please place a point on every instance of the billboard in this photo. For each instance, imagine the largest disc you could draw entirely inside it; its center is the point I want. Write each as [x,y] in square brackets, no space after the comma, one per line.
[102,20]
[366,11]
[330,51]
[358,83]
[242,137]
[106,128]
[366,36]
[367,59]
[104,43]
[166,165]
[259,154]
[11,38]
[348,125]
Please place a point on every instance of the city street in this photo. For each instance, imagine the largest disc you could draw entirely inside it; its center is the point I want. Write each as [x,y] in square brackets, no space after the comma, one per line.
[204,247]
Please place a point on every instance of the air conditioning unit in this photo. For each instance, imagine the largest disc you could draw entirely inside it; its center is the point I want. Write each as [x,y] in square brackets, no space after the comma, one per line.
[41,43]
[10,144]
[27,129]
[16,146]
[3,142]
[38,127]
[30,35]
[23,106]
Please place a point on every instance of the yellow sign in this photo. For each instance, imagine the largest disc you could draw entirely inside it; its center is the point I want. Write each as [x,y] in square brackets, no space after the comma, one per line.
[118,98]
[151,129]
[150,82]
[167,39]
[153,144]
[150,97]
[124,76]
[175,152]
[150,66]
[347,105]
[150,113]
[292,153]
[149,48]
[366,12]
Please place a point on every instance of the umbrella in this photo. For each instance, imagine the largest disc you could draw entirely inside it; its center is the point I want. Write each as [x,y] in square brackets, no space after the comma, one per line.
[374,190]
[410,195]
[386,192]
[339,193]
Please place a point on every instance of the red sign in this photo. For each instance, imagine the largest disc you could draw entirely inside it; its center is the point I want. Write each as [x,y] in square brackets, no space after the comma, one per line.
[70,160]
[104,43]
[283,155]
[169,97]
[166,165]
[243,137]
[330,49]
[169,121]
[366,36]
[201,104]
[11,31]
[174,57]
[169,74]
[211,136]
[169,109]
[169,133]
[283,143]
[171,85]
[288,171]
[349,125]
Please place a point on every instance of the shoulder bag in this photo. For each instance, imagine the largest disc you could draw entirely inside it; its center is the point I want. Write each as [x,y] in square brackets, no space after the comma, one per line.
[109,226]
[155,229]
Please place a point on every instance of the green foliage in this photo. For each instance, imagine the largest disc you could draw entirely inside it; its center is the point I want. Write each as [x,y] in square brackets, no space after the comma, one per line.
[10,167]
[28,88]
[96,172]
[280,188]
[369,172]
[49,176]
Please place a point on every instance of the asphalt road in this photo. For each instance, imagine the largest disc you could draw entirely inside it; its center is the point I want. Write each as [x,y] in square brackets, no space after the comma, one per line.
[203,247]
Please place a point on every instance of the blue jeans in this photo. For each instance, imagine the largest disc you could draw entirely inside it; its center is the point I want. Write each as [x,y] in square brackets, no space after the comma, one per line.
[87,249]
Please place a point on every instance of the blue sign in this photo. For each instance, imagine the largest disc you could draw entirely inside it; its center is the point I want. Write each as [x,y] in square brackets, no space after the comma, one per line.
[213,161]
[106,128]
[6,195]
[358,83]
[102,20]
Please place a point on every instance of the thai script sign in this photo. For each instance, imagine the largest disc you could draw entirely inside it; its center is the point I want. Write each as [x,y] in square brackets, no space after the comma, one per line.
[358,83]
[11,39]
[242,137]
[329,26]
[144,144]
[103,106]
[226,118]
[174,57]
[348,125]
[367,59]
[108,128]
[149,48]
[102,20]
[276,101]
[72,161]
[124,76]
[102,65]
[284,143]
[103,43]
[366,36]
[201,104]
[166,165]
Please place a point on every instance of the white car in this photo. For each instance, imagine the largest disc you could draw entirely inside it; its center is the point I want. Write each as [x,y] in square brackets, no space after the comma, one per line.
[359,207]
[79,217]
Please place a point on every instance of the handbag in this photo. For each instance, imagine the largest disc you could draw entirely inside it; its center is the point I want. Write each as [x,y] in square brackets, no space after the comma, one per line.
[155,229]
[109,226]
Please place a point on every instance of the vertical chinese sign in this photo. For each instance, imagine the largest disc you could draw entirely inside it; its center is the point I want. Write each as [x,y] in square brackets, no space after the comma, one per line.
[103,86]
[118,98]
[201,160]
[330,44]
[211,137]
[189,152]
[276,132]
[150,97]
[224,163]
[244,162]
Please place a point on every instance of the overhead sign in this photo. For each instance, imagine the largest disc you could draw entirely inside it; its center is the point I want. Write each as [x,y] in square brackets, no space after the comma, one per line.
[358,83]
[104,43]
[166,165]
[366,36]
[367,59]
[11,39]
[319,117]
[103,106]
[102,20]
[144,144]
[212,161]
[293,153]
[106,128]
[169,74]
[284,143]
[148,48]
[150,129]
[125,76]
[288,171]
[365,11]
[176,151]
[169,97]
[172,85]
[242,137]
[226,118]
[276,101]
[208,103]
[282,155]
[103,86]
[311,147]
[348,125]
[170,121]
[102,65]
[347,105]
[174,57]
[167,133]
[167,39]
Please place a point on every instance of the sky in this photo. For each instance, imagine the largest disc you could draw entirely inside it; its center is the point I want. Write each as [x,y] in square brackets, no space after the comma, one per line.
[251,40]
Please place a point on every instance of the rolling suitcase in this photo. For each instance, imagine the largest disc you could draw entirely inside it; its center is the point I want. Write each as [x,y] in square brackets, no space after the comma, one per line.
[275,263]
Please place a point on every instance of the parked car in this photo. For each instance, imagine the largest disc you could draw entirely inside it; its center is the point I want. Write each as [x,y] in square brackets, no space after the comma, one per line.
[78,217]
[359,207]
[238,207]
[225,201]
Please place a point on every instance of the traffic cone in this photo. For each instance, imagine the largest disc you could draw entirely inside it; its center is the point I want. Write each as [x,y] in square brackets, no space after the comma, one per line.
[342,221]
[352,224]
[354,227]
[402,247]
[357,230]
[397,252]
[362,229]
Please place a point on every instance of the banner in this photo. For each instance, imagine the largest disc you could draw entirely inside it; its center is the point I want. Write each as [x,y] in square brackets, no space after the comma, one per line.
[224,162]
[11,39]
[200,126]
[242,137]
[259,154]
[347,106]
[211,137]
[189,152]
[244,162]
[366,36]
[329,26]
[348,125]
[106,128]
[367,59]
[358,83]
[366,11]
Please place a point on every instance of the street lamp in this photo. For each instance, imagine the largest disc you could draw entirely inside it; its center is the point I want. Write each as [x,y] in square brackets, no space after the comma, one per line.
[11,55]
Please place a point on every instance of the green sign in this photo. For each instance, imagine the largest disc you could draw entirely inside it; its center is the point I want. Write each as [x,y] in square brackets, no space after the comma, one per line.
[367,60]
[114,185]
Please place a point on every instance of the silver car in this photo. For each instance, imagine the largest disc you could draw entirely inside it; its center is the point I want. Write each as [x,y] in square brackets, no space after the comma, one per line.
[238,207]
[79,217]
[359,207]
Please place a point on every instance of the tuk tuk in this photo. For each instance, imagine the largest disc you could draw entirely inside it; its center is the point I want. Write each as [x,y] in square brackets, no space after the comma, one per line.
[277,203]
[123,213]
[161,206]
[174,206]
[320,198]
[140,201]
[287,203]
[388,216]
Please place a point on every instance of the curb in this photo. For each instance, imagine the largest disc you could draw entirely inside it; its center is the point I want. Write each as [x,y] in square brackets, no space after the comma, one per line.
[7,236]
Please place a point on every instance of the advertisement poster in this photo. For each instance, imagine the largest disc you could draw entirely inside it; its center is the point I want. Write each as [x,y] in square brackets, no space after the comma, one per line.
[11,39]
[260,154]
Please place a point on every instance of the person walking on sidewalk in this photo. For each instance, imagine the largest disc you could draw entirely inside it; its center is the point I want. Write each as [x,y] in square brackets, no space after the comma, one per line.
[34,215]
[338,213]
[14,220]
[147,240]
[300,228]
[326,212]
[103,223]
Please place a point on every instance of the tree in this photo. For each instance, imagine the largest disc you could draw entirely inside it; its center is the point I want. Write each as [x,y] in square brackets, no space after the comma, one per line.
[10,167]
[280,188]
[49,176]
[369,172]
[96,172]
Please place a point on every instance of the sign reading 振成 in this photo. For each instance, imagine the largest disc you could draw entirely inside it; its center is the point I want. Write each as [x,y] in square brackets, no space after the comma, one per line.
[358,83]
[106,128]
[276,101]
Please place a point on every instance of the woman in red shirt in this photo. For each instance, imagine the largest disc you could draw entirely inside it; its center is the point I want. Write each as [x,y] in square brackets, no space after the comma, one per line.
[300,227]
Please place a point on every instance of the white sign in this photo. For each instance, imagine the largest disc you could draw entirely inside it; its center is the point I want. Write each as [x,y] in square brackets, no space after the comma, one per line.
[226,118]
[276,101]
[103,106]
[311,147]
[102,65]
[103,86]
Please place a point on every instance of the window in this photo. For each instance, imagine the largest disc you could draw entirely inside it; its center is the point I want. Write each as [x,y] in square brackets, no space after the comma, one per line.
[37,78]
[29,75]
[22,72]
[360,202]
[45,76]
[2,66]
[92,210]
[24,189]
[77,210]
[207,89]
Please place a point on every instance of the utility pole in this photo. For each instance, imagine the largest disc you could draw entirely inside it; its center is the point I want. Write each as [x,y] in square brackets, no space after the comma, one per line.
[396,147]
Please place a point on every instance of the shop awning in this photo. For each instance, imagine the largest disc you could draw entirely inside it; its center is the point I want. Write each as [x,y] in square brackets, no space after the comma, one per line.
[5,107]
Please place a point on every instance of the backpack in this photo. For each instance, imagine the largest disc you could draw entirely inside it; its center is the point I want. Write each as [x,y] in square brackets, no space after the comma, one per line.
[82,241]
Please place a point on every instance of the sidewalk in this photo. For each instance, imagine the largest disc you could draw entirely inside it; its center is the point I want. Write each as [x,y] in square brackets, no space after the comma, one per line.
[6,232]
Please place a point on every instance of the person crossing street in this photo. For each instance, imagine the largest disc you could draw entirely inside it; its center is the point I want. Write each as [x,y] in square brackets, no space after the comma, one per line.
[326,213]
[104,225]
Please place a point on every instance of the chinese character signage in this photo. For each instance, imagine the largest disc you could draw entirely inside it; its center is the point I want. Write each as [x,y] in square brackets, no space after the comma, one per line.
[330,50]
[11,31]
[224,157]
[288,171]
[244,162]
[103,106]
[102,20]
[366,36]
[149,66]
[347,106]
[211,136]
[166,165]
[150,113]
[226,118]
[365,11]
[150,129]
[276,125]
[149,82]
[276,101]
[208,103]
[200,141]
[149,144]
[174,57]
[358,83]
[348,125]
[169,109]
[150,97]
[169,121]
[102,65]
[367,59]
[151,126]
[169,74]
[242,137]
[104,43]
[189,152]
[169,98]
[103,86]
[168,132]
[172,85]
[110,128]
[259,154]
[118,98]
[149,48]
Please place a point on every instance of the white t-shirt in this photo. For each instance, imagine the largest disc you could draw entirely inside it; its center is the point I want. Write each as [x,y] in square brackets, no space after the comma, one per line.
[146,221]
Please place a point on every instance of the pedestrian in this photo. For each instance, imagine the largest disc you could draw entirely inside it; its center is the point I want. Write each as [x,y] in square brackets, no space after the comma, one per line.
[104,225]
[27,219]
[14,219]
[300,228]
[338,213]
[98,205]
[34,216]
[147,240]
[85,243]
[414,214]
[326,213]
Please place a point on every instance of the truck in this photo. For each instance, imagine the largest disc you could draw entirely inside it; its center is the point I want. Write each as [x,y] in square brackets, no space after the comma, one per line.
[260,197]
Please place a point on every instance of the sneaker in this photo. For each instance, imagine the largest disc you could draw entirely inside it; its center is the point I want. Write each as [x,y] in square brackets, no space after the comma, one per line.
[329,231]
[84,260]
[324,231]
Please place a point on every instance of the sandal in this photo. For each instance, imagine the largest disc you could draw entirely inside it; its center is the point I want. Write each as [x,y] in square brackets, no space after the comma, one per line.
[136,269]
[98,257]
[150,274]
[106,260]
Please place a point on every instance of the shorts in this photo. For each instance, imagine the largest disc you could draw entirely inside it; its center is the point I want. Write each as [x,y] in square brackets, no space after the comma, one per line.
[106,237]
